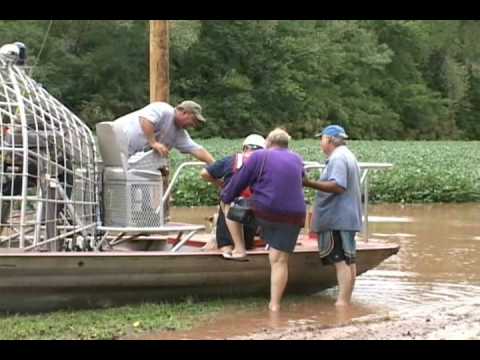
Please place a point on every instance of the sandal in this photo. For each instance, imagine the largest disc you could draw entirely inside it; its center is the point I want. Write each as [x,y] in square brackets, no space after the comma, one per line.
[230,256]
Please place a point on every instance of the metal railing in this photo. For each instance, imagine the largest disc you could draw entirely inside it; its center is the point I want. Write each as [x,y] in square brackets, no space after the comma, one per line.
[174,179]
[365,167]
[47,167]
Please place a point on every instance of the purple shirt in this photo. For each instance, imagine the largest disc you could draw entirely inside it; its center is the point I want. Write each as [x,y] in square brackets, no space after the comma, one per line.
[277,191]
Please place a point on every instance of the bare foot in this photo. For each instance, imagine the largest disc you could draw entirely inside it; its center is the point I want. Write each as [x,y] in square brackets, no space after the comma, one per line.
[211,244]
[342,303]
[239,254]
[274,308]
[226,249]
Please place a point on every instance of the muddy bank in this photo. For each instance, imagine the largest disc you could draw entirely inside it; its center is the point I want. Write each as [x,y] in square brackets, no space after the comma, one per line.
[446,322]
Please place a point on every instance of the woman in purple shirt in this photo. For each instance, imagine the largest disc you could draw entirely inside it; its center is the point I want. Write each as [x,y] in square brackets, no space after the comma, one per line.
[275,176]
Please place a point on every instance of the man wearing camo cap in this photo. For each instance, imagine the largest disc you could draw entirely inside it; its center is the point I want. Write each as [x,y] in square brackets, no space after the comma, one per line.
[161,127]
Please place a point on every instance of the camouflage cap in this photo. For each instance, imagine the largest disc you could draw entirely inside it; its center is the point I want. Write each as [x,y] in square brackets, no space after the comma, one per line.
[193,107]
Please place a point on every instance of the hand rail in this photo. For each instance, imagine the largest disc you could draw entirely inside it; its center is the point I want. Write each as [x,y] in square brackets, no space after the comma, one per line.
[365,167]
[172,182]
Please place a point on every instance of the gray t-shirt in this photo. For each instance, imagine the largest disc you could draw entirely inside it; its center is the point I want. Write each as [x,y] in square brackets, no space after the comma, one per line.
[339,211]
[161,115]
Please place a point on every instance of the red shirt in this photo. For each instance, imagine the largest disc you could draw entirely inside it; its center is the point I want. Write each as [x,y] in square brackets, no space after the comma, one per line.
[238,162]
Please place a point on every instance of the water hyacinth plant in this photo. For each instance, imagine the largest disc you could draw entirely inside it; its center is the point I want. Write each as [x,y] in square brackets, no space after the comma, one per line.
[423,172]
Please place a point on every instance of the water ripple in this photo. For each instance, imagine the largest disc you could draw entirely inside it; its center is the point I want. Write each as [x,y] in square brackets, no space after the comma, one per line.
[396,289]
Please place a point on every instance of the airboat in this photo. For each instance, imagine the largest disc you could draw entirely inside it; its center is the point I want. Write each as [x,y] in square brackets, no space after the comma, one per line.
[81,225]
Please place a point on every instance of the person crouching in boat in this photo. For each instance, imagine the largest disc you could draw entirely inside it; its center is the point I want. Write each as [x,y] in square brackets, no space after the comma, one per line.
[275,176]
[219,173]
[161,127]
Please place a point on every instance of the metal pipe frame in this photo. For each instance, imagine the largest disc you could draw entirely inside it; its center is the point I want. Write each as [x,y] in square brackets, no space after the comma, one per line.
[183,241]
[174,179]
[41,139]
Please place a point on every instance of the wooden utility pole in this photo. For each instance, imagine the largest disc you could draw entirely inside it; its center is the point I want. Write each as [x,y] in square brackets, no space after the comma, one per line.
[160,83]
[159,61]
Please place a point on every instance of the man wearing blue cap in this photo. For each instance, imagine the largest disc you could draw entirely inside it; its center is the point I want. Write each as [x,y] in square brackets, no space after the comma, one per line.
[337,214]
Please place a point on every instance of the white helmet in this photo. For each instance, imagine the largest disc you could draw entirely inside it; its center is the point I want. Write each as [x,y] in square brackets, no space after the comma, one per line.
[15,53]
[255,141]
[22,53]
[10,52]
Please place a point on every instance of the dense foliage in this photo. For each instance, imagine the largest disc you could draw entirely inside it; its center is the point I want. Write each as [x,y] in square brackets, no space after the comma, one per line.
[381,79]
[424,171]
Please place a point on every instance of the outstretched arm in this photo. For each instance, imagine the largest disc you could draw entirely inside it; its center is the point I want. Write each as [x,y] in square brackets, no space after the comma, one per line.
[207,177]
[203,155]
[325,186]
[336,179]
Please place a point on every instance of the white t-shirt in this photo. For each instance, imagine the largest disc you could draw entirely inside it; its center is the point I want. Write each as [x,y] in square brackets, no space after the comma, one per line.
[161,115]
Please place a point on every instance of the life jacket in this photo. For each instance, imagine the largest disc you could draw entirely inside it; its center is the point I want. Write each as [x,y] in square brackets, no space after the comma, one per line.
[238,162]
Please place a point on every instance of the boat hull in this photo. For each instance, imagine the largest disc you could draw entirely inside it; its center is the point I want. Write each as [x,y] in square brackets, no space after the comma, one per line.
[31,282]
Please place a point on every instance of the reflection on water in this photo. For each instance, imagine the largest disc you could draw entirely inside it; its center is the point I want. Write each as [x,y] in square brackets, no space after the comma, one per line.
[438,262]
[443,249]
[390,219]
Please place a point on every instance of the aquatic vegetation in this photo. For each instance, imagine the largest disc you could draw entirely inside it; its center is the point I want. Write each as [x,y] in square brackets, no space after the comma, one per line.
[424,171]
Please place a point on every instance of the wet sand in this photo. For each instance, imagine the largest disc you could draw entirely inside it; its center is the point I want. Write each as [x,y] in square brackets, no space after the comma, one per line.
[448,322]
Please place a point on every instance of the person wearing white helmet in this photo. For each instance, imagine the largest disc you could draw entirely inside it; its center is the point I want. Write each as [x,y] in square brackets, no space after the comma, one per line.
[254,141]
[219,173]
[15,53]
[10,52]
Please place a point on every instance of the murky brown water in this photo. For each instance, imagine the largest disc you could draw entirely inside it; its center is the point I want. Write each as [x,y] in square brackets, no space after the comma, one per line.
[438,263]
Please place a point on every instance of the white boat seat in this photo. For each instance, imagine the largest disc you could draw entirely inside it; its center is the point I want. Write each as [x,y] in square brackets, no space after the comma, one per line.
[113,146]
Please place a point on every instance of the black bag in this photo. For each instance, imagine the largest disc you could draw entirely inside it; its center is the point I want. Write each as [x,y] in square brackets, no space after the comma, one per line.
[241,212]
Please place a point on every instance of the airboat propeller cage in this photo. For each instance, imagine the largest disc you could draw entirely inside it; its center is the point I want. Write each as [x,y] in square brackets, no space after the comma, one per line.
[48,175]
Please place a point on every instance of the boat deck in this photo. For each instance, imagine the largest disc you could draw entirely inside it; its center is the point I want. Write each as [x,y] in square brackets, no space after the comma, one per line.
[194,246]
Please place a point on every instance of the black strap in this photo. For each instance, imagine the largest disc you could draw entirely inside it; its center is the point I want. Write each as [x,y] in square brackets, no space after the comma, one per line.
[263,165]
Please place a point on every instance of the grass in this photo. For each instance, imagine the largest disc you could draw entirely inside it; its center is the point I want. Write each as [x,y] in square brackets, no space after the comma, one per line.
[114,323]
[424,171]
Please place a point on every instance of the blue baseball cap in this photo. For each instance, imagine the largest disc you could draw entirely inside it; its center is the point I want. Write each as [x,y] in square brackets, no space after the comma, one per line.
[333,130]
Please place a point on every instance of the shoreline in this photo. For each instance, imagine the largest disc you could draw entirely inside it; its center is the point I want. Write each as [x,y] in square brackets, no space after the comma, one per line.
[445,322]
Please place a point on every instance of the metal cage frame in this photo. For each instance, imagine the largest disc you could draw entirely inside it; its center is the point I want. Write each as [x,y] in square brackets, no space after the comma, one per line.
[48,173]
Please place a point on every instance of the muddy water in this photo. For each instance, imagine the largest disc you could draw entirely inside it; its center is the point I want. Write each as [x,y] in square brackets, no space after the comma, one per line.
[439,258]
[438,263]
